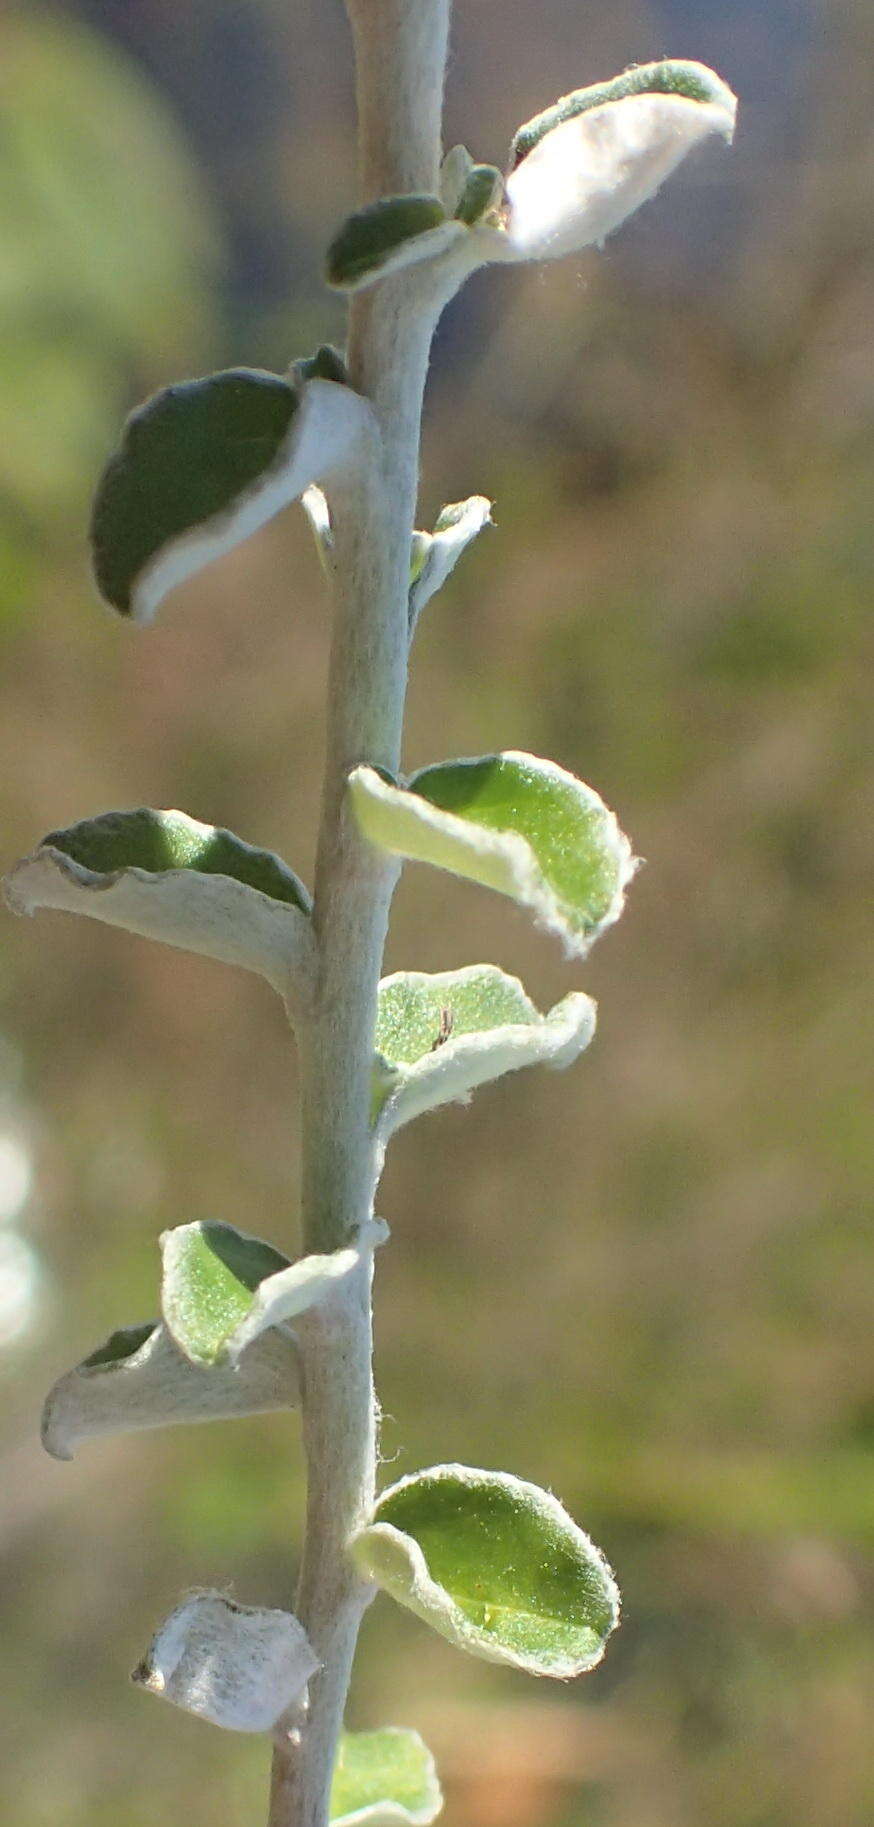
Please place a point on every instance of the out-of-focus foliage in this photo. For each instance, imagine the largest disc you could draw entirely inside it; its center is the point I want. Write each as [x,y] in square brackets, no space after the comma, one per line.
[643,1282]
[107,239]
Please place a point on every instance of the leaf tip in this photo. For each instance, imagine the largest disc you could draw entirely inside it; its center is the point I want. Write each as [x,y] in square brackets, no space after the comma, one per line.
[54,1436]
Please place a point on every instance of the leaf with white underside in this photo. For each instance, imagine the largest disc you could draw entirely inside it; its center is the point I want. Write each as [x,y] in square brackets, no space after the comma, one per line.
[438,553]
[400,232]
[495,1565]
[222,1289]
[238,1666]
[432,555]
[578,171]
[670,76]
[384,1779]
[513,822]
[587,163]
[386,236]
[204,464]
[166,876]
[140,1379]
[440,1036]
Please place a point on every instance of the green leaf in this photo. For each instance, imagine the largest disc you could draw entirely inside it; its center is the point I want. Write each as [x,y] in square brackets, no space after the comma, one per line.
[387,235]
[515,823]
[222,1289]
[159,841]
[482,192]
[140,1379]
[692,81]
[166,876]
[204,464]
[436,555]
[238,1666]
[440,1036]
[384,1779]
[185,456]
[211,1272]
[468,191]
[495,1565]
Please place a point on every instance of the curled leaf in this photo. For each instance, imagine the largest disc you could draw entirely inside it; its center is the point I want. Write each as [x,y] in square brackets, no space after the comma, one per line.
[513,822]
[386,236]
[166,876]
[222,1289]
[438,553]
[140,1379]
[207,462]
[495,1565]
[235,1665]
[592,159]
[440,1036]
[690,81]
[384,1779]
[480,195]
[468,191]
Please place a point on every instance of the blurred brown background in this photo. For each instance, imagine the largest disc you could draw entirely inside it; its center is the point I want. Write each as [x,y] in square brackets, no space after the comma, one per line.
[643,1282]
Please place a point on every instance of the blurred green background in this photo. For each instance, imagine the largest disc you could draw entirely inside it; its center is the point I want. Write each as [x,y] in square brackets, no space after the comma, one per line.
[646,1282]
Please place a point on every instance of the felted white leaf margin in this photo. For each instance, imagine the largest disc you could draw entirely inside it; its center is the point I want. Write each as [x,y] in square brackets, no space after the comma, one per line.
[140,1379]
[580,169]
[384,1778]
[385,237]
[217,915]
[519,1582]
[593,170]
[457,524]
[309,1283]
[450,232]
[237,1666]
[204,464]
[518,824]
[461,1061]
[222,1289]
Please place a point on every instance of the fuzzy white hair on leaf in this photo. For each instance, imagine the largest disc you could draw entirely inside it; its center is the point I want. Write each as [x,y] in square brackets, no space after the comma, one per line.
[592,171]
[237,1666]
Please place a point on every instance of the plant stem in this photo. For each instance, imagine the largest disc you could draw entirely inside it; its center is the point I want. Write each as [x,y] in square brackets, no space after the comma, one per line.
[400,48]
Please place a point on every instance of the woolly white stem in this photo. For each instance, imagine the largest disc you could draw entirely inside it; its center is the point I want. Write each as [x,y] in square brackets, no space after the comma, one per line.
[400,50]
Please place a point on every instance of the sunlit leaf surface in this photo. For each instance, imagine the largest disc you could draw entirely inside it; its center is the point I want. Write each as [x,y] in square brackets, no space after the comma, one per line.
[384,1779]
[439,1036]
[495,1565]
[514,823]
